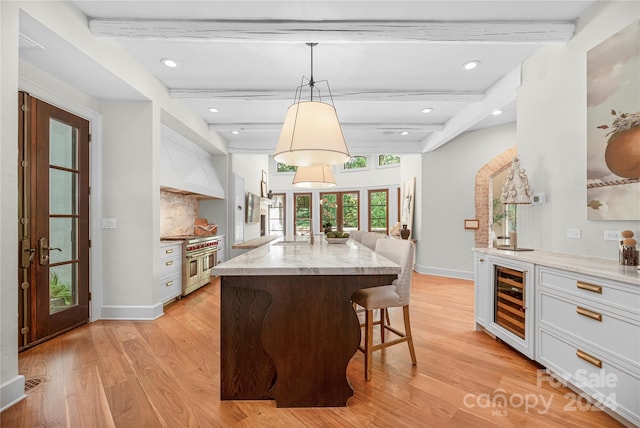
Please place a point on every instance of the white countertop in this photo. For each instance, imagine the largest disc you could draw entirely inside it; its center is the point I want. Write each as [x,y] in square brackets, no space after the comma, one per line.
[295,256]
[596,266]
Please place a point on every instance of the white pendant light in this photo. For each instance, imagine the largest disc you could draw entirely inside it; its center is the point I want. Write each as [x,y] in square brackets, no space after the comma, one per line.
[314,177]
[311,134]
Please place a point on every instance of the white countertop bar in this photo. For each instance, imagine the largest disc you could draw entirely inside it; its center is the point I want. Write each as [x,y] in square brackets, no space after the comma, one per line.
[594,266]
[295,256]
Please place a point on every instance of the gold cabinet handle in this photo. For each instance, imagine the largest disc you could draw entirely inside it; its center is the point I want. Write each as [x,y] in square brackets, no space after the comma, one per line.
[588,313]
[589,358]
[169,263]
[169,283]
[589,287]
[168,251]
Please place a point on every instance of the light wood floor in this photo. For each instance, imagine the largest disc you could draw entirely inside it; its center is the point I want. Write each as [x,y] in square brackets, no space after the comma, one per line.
[166,373]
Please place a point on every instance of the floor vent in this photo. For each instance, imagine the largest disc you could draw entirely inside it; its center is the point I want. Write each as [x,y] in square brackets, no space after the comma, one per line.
[34,382]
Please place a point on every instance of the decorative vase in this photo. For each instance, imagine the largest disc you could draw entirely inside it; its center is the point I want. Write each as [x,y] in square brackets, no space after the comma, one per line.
[404,232]
[622,153]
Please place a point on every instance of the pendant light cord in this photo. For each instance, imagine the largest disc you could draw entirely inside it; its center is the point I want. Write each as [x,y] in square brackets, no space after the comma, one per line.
[311,82]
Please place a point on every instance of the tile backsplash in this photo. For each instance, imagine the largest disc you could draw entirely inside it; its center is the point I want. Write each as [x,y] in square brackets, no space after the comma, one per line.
[178,213]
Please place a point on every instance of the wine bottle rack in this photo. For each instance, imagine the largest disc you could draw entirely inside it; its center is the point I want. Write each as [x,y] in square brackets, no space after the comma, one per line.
[510,306]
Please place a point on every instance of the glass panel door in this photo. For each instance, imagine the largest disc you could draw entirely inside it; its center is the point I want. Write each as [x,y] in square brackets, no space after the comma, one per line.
[54,212]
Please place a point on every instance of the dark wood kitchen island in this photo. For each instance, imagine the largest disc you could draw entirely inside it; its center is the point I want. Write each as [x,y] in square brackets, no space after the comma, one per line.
[288,329]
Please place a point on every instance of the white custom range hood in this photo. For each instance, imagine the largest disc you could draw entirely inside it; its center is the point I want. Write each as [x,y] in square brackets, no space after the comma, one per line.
[186,168]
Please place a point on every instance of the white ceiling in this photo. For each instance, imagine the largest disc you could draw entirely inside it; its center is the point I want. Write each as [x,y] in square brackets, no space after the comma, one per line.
[384,60]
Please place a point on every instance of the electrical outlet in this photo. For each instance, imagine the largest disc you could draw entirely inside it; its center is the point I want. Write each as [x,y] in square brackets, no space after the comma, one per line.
[612,235]
[573,233]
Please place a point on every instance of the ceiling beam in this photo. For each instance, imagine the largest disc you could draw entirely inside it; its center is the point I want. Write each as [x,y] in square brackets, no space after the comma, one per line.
[296,31]
[348,95]
[352,126]
[499,95]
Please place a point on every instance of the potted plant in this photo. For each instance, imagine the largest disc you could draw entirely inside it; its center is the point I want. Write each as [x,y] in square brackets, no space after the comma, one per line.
[623,146]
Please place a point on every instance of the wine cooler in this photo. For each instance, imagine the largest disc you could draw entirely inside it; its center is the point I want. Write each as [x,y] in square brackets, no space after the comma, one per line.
[510,307]
[503,289]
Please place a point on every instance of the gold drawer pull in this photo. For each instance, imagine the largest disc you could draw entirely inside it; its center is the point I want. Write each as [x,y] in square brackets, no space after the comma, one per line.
[169,283]
[589,358]
[169,263]
[168,251]
[587,313]
[589,287]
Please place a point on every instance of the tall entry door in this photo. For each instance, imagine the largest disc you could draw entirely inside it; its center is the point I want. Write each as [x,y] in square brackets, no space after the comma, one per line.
[54,221]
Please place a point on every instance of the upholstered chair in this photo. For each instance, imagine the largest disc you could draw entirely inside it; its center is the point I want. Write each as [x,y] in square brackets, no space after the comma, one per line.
[369,239]
[356,235]
[397,294]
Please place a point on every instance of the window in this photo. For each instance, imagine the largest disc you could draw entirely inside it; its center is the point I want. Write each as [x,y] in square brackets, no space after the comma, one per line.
[301,214]
[388,160]
[283,167]
[379,211]
[341,209]
[277,211]
[356,162]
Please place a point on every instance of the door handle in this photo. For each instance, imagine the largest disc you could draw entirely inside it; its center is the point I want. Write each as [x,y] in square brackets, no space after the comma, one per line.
[27,253]
[44,249]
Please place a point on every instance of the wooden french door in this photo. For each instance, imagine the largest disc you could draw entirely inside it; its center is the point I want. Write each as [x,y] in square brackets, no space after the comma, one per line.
[54,221]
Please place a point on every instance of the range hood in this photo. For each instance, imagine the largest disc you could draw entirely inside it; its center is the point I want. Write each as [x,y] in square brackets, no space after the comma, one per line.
[186,168]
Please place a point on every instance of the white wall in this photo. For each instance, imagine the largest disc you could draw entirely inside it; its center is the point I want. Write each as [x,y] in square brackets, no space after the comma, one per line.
[447,193]
[11,383]
[552,136]
[128,196]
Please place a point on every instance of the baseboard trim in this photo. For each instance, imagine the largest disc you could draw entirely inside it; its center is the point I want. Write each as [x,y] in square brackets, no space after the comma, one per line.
[12,392]
[449,273]
[131,312]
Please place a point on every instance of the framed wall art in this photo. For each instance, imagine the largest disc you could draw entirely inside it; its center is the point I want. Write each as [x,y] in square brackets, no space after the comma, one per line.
[613,127]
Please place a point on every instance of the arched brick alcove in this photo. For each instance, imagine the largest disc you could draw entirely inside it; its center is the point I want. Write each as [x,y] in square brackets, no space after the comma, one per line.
[483,199]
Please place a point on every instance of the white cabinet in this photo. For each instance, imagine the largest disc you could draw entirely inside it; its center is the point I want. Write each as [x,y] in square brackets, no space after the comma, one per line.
[582,322]
[170,266]
[482,291]
[588,331]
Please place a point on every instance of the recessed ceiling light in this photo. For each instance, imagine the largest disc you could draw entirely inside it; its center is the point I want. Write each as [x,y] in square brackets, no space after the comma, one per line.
[235,132]
[427,110]
[471,65]
[169,62]
[404,133]
[496,112]
[213,109]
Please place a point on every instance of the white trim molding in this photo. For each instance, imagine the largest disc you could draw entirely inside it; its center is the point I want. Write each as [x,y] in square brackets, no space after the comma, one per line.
[141,313]
[12,392]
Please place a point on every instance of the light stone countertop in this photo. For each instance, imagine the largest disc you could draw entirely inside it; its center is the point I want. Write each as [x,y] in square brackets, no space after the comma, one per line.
[595,266]
[295,256]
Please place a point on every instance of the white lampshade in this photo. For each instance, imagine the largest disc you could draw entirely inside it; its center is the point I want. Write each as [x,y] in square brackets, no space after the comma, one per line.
[516,188]
[314,177]
[311,136]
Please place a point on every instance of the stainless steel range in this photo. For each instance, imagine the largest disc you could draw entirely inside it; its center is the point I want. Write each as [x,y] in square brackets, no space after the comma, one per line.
[200,255]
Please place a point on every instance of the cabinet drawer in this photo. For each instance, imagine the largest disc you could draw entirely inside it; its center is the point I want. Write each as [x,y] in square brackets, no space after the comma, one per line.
[170,287]
[608,385]
[594,324]
[596,289]
[170,266]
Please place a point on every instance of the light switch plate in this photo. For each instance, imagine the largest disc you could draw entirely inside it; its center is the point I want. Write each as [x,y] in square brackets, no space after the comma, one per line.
[573,233]
[612,235]
[109,223]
